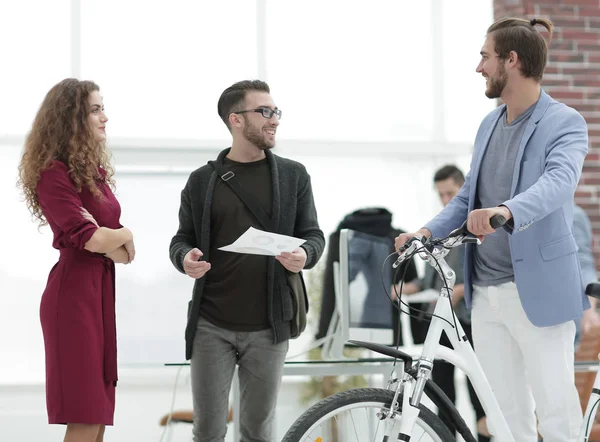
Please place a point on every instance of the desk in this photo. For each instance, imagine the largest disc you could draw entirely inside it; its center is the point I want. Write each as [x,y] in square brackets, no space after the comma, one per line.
[339,367]
[349,367]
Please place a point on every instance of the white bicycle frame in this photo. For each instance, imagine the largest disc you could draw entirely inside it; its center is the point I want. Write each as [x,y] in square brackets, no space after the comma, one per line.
[463,357]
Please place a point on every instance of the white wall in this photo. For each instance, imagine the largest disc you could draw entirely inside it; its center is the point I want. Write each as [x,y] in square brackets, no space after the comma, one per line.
[151,295]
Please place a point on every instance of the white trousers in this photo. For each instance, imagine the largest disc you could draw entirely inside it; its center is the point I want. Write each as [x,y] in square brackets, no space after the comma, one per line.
[530,369]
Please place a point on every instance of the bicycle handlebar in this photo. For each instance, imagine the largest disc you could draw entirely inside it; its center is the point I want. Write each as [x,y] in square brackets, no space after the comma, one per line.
[497,221]
[459,236]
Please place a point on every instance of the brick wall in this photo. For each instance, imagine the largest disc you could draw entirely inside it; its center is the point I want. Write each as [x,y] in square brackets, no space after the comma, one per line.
[573,77]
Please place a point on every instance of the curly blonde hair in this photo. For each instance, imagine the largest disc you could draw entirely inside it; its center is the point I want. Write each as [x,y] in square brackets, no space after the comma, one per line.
[60,132]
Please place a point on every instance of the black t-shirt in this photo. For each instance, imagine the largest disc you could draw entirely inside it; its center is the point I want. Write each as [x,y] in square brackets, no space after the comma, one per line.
[235,294]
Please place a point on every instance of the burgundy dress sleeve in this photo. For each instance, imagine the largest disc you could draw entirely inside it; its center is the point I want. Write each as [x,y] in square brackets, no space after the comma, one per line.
[62,204]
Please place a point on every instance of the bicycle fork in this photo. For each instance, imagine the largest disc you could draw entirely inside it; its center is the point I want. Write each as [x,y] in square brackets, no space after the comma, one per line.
[401,429]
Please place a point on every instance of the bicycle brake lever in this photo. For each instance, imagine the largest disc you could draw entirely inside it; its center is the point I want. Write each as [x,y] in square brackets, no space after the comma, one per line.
[452,241]
[405,248]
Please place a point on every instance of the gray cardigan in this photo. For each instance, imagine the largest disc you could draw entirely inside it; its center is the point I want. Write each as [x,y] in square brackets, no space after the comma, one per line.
[293,214]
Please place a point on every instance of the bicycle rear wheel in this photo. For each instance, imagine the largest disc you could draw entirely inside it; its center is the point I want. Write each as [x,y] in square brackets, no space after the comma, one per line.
[355,415]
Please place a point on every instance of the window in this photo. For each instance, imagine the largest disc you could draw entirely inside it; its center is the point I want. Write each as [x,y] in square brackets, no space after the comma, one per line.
[358,73]
[36,56]
[465,102]
[161,70]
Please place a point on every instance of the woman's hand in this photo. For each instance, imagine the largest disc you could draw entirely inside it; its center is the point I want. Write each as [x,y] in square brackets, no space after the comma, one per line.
[86,215]
[119,256]
[130,248]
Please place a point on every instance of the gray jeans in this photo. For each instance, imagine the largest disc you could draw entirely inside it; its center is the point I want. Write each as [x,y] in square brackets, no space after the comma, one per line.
[215,354]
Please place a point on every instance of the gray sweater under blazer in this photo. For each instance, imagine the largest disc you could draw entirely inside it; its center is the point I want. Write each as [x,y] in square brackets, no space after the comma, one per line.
[293,214]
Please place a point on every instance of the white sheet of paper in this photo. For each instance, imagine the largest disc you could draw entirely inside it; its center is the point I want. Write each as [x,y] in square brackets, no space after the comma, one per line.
[259,242]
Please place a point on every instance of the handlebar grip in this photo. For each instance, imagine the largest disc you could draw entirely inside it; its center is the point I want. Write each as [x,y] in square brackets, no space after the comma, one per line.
[497,221]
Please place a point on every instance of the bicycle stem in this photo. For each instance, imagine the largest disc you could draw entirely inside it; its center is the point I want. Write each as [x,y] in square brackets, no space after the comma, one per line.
[446,273]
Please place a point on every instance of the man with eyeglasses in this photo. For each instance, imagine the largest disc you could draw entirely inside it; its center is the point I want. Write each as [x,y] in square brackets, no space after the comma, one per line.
[241,309]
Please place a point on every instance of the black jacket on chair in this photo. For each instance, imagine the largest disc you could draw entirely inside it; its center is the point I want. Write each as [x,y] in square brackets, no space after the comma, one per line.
[378,222]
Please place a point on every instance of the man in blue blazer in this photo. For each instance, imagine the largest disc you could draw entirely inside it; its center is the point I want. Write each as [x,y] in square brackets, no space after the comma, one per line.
[524,281]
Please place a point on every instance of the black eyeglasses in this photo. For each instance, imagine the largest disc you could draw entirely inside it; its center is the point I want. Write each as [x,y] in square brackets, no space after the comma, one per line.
[264,111]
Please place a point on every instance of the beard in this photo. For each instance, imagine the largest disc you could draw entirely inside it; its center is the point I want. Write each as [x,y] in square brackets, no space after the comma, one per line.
[497,84]
[256,136]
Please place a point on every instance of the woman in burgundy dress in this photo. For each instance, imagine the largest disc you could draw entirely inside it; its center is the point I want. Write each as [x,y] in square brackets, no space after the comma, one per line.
[66,177]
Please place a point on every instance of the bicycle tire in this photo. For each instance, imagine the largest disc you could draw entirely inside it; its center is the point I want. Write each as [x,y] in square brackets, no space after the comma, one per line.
[327,406]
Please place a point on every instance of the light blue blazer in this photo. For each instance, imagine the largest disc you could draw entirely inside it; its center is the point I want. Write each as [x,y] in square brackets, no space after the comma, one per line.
[542,246]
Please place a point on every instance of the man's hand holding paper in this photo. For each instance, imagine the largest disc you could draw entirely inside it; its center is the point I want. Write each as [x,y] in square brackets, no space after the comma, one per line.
[293,261]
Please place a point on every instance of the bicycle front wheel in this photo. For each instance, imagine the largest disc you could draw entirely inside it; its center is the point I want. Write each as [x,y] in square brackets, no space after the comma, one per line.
[356,415]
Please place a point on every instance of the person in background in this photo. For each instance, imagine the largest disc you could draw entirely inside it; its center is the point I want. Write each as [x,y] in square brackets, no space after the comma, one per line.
[66,177]
[582,231]
[447,181]
[242,307]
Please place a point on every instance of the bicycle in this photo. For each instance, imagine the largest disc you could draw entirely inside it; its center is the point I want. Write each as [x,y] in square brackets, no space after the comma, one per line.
[395,413]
